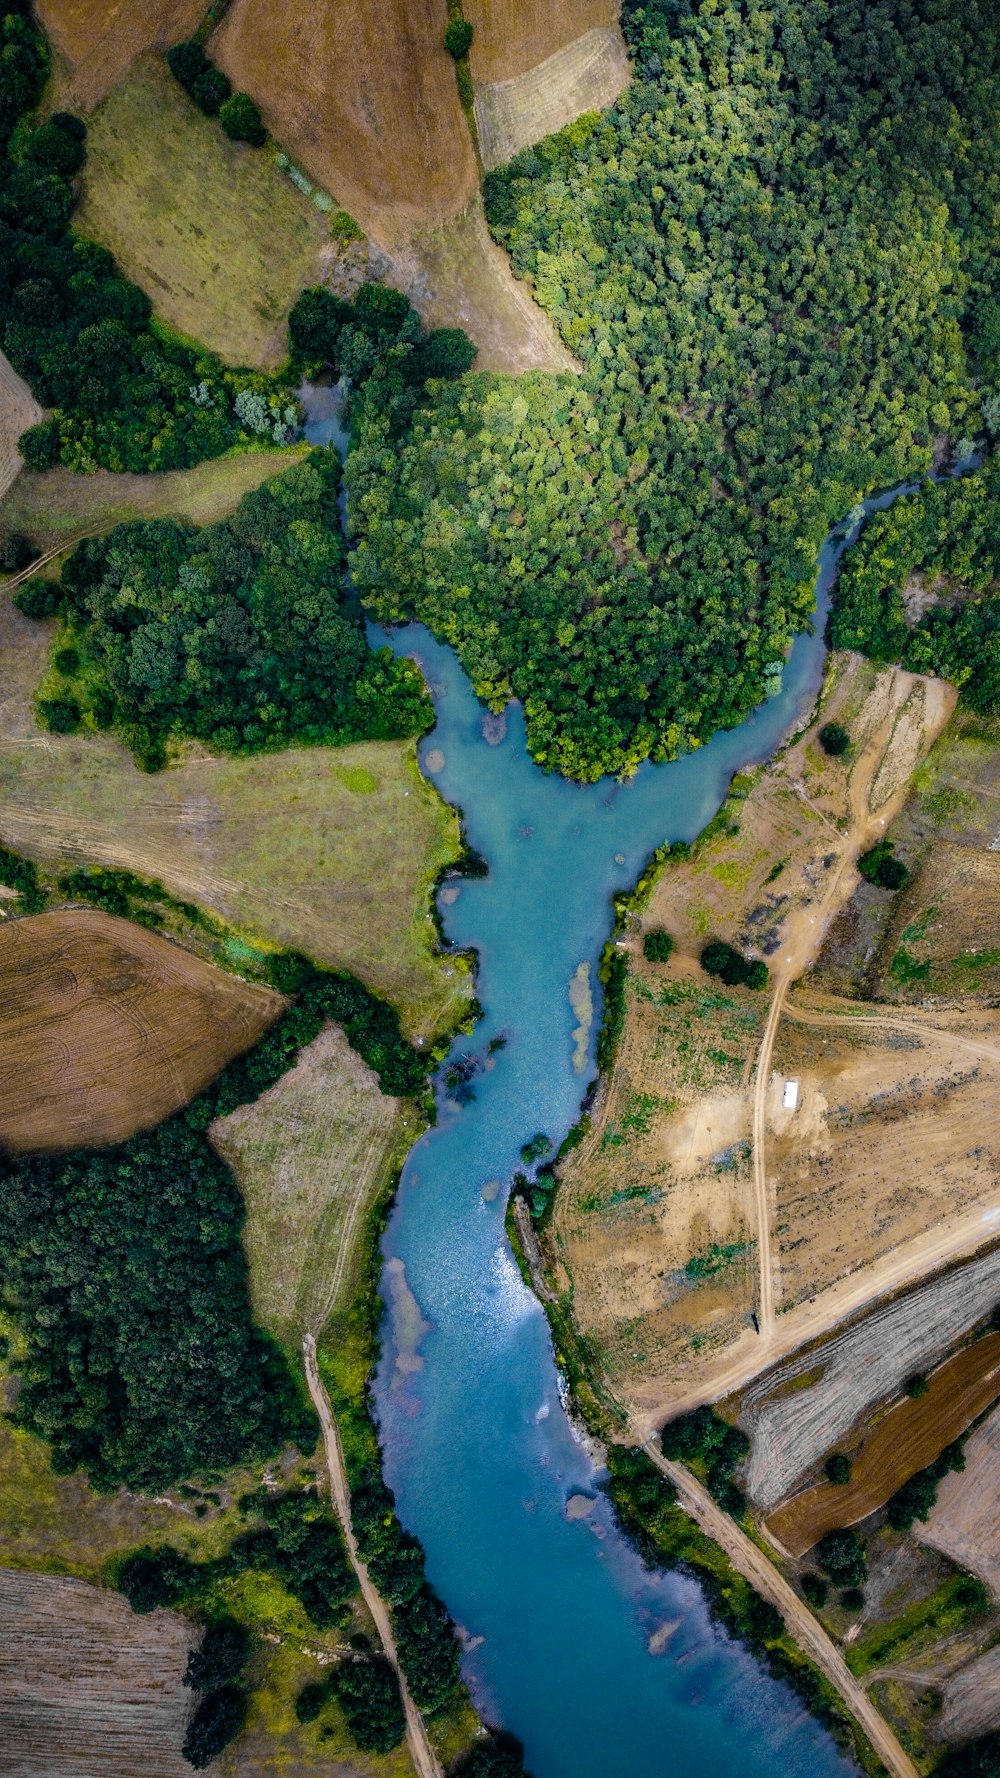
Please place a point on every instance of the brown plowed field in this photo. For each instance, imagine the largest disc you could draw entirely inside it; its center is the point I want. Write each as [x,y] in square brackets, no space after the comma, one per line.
[106,1029]
[584,76]
[100,39]
[88,1689]
[904,1441]
[512,36]
[364,97]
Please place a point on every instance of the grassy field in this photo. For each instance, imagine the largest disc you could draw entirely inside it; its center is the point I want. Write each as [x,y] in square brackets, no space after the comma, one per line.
[310,1156]
[58,507]
[327,850]
[906,1439]
[106,1029]
[217,236]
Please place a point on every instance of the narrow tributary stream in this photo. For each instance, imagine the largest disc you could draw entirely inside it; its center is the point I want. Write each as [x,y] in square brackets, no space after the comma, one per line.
[558,1613]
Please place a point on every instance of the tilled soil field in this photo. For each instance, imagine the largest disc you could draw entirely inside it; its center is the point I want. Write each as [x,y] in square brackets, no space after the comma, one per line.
[584,76]
[965,1523]
[515,35]
[900,1443]
[106,1029]
[807,1406]
[98,40]
[88,1689]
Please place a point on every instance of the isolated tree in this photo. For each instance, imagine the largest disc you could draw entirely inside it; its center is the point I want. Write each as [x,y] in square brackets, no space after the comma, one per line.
[458,38]
[841,1555]
[657,945]
[838,1468]
[815,1588]
[833,739]
[241,120]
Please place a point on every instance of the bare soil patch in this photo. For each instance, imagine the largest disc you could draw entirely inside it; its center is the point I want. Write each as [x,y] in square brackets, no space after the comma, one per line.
[895,1129]
[106,1029]
[364,98]
[96,41]
[585,75]
[310,1155]
[18,411]
[329,850]
[810,1404]
[88,1689]
[216,234]
[965,1523]
[906,1439]
[513,36]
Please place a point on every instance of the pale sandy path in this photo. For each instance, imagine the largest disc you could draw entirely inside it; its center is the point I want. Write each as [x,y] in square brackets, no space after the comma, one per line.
[425,1760]
[807,1631]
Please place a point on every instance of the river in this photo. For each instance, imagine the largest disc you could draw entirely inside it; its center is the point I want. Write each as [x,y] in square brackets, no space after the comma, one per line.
[557,1613]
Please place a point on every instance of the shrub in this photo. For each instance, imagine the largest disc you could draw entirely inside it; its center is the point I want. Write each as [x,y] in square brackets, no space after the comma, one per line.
[57,149]
[66,661]
[16,552]
[458,38]
[187,62]
[367,1690]
[838,1468]
[913,1500]
[40,445]
[841,1555]
[815,1588]
[211,90]
[657,945]
[310,1701]
[217,1721]
[241,120]
[536,1148]
[223,1654]
[38,597]
[61,716]
[917,1386]
[878,866]
[852,1599]
[500,1756]
[722,960]
[833,739]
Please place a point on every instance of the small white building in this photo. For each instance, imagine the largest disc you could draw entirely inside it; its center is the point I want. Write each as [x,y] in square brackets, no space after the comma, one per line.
[790,1096]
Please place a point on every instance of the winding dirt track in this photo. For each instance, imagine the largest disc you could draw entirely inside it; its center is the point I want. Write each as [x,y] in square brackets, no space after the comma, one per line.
[425,1760]
[808,1633]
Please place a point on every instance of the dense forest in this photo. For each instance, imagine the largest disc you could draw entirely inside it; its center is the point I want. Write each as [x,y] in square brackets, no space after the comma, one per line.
[948,537]
[240,634]
[773,258]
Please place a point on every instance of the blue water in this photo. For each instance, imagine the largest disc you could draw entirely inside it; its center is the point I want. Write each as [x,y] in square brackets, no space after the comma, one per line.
[557,1614]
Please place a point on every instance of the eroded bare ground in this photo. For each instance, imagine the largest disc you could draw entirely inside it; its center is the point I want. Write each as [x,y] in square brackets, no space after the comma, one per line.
[658,1228]
[88,1689]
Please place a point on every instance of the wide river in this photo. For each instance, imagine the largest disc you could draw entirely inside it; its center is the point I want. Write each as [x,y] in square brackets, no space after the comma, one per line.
[558,1614]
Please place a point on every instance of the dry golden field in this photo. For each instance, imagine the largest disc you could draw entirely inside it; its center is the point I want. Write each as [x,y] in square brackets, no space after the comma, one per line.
[513,36]
[908,1438]
[585,75]
[18,411]
[106,1029]
[96,41]
[328,850]
[218,237]
[363,97]
[310,1155]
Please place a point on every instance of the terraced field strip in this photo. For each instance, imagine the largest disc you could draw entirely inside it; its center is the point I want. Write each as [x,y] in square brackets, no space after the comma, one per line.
[810,1635]
[904,1441]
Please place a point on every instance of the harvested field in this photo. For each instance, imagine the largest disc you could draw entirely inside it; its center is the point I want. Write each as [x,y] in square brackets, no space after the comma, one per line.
[941,936]
[965,1523]
[583,76]
[211,229]
[310,1155]
[513,36]
[88,1689]
[910,1437]
[329,850]
[105,1029]
[18,411]
[677,1200]
[972,1700]
[57,506]
[96,41]
[807,1406]
[895,1129]
[456,276]
[381,127]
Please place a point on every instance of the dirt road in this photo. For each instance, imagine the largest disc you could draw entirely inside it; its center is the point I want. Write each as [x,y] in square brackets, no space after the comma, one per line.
[425,1760]
[808,1633]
